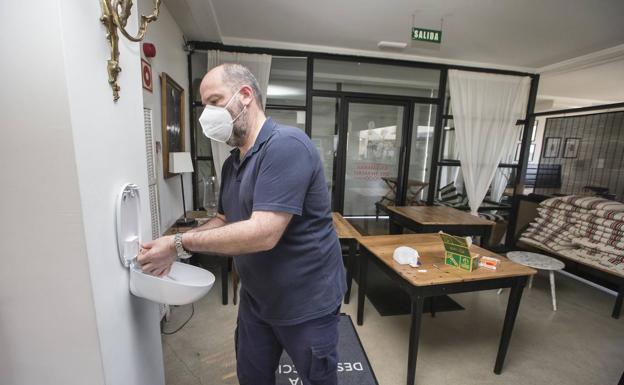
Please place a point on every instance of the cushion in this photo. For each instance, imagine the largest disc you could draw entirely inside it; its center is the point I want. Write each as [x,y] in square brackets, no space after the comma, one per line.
[611,214]
[449,193]
[593,203]
[561,204]
[492,217]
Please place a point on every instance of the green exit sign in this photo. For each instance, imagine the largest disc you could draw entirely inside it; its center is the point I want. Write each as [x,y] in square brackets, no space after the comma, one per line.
[429,35]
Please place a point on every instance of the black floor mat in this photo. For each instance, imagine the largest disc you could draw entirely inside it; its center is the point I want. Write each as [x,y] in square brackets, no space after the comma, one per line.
[353,365]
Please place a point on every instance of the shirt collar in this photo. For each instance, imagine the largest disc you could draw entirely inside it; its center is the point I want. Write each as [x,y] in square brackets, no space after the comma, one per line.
[263,136]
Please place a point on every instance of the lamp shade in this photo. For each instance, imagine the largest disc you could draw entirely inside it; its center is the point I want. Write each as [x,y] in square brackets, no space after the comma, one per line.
[180,162]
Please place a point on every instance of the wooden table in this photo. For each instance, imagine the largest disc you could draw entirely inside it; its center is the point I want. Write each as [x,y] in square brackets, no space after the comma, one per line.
[431,219]
[438,279]
[224,260]
[348,235]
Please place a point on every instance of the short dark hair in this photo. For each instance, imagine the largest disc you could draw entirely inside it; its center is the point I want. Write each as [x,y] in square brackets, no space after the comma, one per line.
[237,75]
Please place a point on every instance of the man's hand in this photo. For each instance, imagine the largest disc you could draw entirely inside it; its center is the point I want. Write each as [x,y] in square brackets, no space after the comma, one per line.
[157,256]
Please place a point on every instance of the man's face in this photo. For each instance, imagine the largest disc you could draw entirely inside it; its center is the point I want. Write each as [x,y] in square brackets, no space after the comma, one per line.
[214,92]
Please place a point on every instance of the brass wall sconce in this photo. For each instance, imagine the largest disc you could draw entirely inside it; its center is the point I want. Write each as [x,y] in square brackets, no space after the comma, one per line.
[115,14]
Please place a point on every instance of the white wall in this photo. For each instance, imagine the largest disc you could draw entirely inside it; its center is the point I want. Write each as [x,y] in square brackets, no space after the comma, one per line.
[48,332]
[67,316]
[599,82]
[171,59]
[110,151]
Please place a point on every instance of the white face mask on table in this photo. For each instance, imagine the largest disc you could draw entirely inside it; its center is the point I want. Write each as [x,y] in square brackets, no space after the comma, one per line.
[217,123]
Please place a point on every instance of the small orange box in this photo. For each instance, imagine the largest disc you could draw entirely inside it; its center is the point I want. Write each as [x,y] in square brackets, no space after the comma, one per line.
[489,263]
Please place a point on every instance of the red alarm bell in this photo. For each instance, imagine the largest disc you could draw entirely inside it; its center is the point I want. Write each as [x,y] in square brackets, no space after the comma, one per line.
[149,49]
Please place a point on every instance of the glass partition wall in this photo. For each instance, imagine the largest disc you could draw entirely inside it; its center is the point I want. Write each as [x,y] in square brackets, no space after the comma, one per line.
[377,113]
[377,124]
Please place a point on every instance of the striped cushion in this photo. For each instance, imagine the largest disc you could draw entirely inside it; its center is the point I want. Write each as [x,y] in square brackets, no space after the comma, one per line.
[449,193]
[593,203]
[492,217]
[611,214]
[462,201]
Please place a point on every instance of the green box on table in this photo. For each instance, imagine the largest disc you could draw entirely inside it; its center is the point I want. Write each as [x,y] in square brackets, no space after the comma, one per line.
[457,253]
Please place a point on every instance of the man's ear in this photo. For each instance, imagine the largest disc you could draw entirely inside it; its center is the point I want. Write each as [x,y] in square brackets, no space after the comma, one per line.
[247,95]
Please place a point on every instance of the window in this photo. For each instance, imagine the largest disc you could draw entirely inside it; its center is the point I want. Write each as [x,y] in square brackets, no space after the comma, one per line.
[293,118]
[335,75]
[325,134]
[287,81]
[421,150]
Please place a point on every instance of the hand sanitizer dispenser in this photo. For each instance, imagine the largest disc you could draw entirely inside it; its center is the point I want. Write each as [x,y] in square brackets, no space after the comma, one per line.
[183,285]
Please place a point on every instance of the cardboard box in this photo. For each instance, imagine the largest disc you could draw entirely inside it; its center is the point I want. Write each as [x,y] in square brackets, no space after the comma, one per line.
[457,253]
[490,263]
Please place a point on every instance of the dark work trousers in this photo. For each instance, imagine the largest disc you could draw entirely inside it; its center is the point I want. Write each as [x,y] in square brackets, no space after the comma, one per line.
[312,345]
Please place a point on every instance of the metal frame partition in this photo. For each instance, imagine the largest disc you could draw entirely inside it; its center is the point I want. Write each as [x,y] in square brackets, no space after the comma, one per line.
[346,97]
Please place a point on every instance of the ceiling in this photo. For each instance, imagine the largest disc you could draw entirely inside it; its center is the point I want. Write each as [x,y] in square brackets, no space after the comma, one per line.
[542,36]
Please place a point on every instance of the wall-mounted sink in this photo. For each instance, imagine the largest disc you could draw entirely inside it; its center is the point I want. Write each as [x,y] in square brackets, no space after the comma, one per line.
[183,285]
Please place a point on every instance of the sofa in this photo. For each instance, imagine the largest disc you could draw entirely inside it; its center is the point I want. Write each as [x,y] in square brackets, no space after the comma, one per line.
[585,232]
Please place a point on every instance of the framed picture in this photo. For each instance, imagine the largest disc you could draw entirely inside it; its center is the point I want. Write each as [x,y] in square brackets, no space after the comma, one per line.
[571,147]
[146,74]
[551,147]
[172,110]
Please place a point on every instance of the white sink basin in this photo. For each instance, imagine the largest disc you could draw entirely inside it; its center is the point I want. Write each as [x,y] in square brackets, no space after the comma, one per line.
[183,285]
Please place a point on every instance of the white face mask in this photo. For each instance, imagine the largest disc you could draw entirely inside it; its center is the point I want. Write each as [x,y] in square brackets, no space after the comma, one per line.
[217,123]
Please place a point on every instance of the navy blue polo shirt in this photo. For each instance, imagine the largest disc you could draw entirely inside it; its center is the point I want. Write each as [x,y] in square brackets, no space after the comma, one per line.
[302,277]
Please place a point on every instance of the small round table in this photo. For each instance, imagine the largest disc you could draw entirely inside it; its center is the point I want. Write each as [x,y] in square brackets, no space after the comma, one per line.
[539,262]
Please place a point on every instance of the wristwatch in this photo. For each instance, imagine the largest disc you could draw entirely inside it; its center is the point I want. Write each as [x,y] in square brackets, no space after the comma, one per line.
[177,241]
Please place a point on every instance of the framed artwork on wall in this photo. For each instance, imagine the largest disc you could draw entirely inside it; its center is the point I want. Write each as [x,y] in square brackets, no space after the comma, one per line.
[172,111]
[571,147]
[551,147]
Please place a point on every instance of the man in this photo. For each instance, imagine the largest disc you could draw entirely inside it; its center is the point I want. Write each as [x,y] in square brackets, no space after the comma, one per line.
[274,217]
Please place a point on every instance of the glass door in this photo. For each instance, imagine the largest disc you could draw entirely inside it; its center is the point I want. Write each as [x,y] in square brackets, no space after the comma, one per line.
[373,147]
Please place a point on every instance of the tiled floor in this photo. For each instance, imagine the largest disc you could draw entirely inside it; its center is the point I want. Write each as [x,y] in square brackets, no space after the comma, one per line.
[578,344]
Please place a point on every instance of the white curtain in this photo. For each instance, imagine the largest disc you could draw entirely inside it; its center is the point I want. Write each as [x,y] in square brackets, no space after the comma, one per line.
[485,110]
[449,174]
[501,177]
[260,66]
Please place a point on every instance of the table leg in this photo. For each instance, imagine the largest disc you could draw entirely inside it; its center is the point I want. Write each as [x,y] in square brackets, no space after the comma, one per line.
[552,290]
[417,310]
[485,236]
[510,317]
[530,282]
[224,279]
[393,228]
[350,268]
[362,288]
[235,281]
[617,308]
